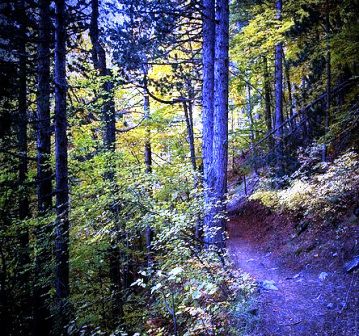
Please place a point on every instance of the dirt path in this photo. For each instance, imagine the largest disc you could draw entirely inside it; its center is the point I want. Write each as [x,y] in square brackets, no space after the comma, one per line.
[294,299]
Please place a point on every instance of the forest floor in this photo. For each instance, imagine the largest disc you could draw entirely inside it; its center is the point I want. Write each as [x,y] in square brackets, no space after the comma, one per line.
[302,287]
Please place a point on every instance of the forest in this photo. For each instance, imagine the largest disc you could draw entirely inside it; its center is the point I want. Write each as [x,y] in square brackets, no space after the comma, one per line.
[179,167]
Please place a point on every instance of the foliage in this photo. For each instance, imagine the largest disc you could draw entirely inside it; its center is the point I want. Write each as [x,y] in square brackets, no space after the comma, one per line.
[316,190]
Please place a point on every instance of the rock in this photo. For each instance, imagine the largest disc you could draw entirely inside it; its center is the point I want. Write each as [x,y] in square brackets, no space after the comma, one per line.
[268,285]
[323,275]
[352,264]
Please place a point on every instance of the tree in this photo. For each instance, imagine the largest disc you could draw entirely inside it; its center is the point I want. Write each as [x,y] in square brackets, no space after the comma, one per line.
[62,284]
[217,168]
[42,320]
[208,20]
[278,135]
[99,61]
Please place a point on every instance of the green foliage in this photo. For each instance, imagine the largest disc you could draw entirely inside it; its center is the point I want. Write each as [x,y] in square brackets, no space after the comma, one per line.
[316,190]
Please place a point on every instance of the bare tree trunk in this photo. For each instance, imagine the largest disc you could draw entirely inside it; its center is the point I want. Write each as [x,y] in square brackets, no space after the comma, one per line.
[328,73]
[109,142]
[148,163]
[290,96]
[24,209]
[267,102]
[62,285]
[214,234]
[148,149]
[251,123]
[190,136]
[99,61]
[42,322]
[279,146]
[208,102]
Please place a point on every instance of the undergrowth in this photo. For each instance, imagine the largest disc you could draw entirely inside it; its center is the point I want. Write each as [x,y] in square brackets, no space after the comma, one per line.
[316,190]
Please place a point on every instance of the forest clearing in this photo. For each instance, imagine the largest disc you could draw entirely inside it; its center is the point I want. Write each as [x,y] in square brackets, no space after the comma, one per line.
[179,168]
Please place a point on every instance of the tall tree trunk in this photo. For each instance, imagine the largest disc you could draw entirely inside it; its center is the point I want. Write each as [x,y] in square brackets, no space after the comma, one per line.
[304,115]
[208,102]
[62,285]
[148,149]
[328,84]
[279,146]
[214,234]
[148,163]
[44,173]
[290,96]
[187,111]
[267,103]
[117,272]
[42,323]
[99,61]
[251,123]
[24,210]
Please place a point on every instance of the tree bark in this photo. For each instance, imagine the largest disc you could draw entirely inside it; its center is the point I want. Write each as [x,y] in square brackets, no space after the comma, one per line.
[62,285]
[187,112]
[44,173]
[148,163]
[279,146]
[290,96]
[328,83]
[267,103]
[208,101]
[99,61]
[214,233]
[42,322]
[23,205]
[251,123]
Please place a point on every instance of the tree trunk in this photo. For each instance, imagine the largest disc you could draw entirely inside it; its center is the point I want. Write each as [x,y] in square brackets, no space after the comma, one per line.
[99,61]
[187,110]
[279,146]
[267,103]
[24,210]
[44,173]
[214,234]
[208,101]
[117,272]
[42,323]
[328,84]
[62,187]
[290,96]
[251,124]
[148,163]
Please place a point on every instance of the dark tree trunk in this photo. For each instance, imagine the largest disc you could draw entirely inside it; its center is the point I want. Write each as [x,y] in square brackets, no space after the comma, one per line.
[42,323]
[24,209]
[208,101]
[99,61]
[117,272]
[251,124]
[148,149]
[279,146]
[187,112]
[214,233]
[328,83]
[290,96]
[44,173]
[267,104]
[62,285]
[148,163]
[22,117]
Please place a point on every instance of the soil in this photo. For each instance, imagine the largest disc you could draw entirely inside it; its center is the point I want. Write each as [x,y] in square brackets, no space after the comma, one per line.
[312,294]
